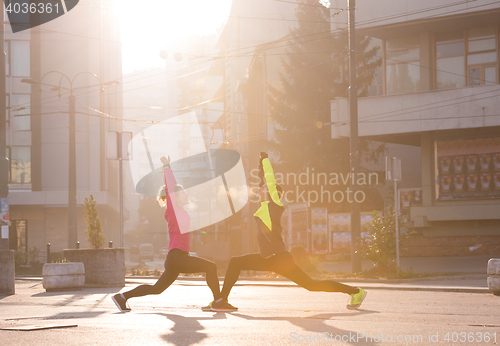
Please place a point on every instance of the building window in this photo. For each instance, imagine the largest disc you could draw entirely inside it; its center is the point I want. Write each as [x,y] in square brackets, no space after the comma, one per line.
[18,236]
[466,57]
[18,58]
[19,138]
[7,57]
[20,165]
[402,58]
[481,56]
[19,115]
[450,59]
[377,85]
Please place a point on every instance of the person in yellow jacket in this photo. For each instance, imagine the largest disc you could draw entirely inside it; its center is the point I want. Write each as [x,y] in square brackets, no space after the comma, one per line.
[273,255]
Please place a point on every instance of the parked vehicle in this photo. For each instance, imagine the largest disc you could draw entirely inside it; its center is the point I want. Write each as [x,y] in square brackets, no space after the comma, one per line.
[146,251]
[164,251]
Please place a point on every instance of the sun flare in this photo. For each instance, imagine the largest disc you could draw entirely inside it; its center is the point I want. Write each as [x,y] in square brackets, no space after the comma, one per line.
[149,26]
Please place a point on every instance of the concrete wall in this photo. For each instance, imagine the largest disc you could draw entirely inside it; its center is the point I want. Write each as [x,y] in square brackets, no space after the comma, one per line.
[103,267]
[470,107]
[50,225]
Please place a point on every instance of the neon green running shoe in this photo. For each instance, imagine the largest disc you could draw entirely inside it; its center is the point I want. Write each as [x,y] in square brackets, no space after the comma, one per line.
[208,307]
[356,299]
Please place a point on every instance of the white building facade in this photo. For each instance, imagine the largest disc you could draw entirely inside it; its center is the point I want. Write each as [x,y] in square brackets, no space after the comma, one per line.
[440,68]
[83,42]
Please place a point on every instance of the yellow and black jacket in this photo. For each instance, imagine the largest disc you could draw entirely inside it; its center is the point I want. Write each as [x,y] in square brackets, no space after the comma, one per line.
[269,217]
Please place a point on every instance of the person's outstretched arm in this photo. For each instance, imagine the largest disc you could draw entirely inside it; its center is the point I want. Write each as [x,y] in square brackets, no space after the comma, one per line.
[269,178]
[170,183]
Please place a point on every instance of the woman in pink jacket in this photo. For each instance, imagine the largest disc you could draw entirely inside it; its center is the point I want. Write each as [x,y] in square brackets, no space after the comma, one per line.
[174,198]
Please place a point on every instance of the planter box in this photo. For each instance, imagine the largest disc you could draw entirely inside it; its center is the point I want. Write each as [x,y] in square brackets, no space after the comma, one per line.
[62,276]
[103,267]
[494,275]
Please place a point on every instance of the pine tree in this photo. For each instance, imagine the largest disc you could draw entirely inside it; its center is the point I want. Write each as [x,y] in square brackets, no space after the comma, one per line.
[94,228]
[315,71]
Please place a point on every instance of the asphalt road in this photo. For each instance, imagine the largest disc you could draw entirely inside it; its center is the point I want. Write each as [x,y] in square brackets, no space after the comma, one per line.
[268,315]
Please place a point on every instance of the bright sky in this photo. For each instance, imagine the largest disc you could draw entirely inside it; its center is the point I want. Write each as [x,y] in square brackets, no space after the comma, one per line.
[150,26]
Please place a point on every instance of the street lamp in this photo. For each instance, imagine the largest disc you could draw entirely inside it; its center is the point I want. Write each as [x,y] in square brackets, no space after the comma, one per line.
[393,172]
[116,149]
[72,217]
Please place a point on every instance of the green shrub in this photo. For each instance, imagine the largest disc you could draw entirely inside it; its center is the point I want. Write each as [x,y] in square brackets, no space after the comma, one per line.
[380,246]
[20,258]
[94,227]
[56,257]
[27,263]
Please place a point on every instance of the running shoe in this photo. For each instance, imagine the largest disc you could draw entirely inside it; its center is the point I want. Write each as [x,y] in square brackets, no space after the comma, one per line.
[121,302]
[356,299]
[208,307]
[222,306]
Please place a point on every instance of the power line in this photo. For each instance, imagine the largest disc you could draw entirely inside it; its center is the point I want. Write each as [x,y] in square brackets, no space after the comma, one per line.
[273,47]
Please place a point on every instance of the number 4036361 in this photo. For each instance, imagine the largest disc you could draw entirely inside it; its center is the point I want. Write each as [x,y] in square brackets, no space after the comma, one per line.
[26,7]
[470,337]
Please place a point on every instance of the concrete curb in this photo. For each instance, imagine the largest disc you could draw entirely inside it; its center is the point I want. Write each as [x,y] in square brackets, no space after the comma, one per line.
[378,285]
[397,285]
[361,280]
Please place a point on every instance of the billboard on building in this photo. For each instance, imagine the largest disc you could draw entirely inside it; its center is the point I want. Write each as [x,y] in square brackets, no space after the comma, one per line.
[409,197]
[297,225]
[339,226]
[319,230]
[468,168]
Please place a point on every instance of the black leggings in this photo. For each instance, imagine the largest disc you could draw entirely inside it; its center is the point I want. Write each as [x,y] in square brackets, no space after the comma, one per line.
[284,265]
[177,262]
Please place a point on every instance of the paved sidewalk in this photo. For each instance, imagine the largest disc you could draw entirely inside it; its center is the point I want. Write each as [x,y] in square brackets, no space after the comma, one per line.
[469,275]
[280,315]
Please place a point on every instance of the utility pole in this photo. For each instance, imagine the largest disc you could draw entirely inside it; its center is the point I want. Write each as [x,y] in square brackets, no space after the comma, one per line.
[4,161]
[353,112]
[120,162]
[7,268]
[72,216]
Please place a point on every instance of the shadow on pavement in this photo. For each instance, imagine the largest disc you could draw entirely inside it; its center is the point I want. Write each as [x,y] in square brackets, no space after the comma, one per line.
[322,332]
[67,315]
[83,292]
[77,295]
[187,330]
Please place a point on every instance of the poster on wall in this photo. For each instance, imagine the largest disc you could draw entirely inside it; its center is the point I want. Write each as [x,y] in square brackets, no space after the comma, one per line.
[497,181]
[468,168]
[297,225]
[319,228]
[339,225]
[409,197]
[496,162]
[471,163]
